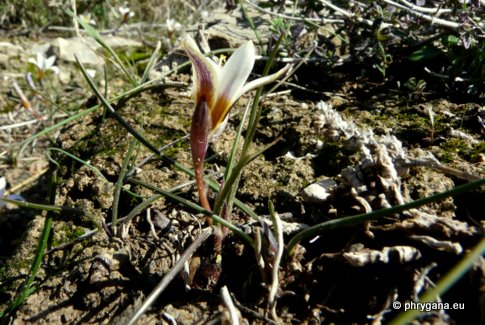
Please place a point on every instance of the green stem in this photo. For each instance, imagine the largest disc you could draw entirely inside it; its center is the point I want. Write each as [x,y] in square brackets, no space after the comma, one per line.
[235,145]
[235,175]
[197,208]
[97,37]
[251,23]
[27,287]
[257,109]
[231,184]
[117,117]
[88,165]
[119,186]
[47,207]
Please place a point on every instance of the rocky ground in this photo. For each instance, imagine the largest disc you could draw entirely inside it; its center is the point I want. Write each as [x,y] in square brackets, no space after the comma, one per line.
[349,146]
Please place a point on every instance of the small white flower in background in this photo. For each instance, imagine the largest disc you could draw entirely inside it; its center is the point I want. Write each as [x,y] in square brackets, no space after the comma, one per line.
[173,26]
[91,73]
[87,19]
[44,65]
[126,11]
[204,14]
[126,14]
[3,185]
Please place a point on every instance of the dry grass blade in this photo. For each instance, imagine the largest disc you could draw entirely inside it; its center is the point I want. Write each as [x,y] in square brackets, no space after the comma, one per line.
[171,275]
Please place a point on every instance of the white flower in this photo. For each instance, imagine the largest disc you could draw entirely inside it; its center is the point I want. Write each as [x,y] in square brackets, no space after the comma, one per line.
[221,87]
[216,89]
[91,73]
[126,13]
[44,65]
[87,19]
[3,185]
[173,26]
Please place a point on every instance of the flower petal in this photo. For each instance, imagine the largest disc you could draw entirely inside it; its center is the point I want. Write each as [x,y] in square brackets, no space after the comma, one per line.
[54,69]
[199,138]
[33,61]
[199,132]
[49,62]
[264,80]
[3,185]
[217,131]
[40,61]
[206,72]
[234,74]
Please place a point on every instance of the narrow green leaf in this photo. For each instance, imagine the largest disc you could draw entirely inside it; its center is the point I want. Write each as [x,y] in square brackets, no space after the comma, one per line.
[446,282]
[119,186]
[427,52]
[151,62]
[98,38]
[87,164]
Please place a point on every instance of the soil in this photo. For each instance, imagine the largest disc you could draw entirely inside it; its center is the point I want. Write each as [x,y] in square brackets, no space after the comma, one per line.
[347,275]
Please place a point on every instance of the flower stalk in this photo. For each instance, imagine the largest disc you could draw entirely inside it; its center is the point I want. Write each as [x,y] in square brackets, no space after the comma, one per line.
[199,139]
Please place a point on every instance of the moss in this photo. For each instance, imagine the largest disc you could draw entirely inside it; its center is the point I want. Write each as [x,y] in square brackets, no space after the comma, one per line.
[9,273]
[173,150]
[477,149]
[66,233]
[455,145]
[462,149]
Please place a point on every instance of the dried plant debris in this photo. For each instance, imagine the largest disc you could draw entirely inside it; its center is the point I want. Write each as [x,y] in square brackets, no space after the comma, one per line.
[375,181]
[392,71]
[441,245]
[359,256]
[382,177]
[382,160]
[419,221]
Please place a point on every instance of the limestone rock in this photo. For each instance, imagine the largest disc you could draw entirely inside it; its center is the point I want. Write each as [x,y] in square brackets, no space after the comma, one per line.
[7,51]
[10,49]
[85,48]
[318,193]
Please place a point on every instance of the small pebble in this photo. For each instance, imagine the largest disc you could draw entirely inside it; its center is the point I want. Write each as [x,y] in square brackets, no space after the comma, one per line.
[318,192]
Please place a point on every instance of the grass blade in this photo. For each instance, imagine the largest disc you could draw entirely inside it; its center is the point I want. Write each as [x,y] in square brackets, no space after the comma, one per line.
[87,164]
[27,287]
[98,38]
[151,62]
[444,283]
[119,186]
[117,117]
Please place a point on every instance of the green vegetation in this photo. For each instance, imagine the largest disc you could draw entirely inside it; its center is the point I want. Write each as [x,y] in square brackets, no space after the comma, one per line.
[116,147]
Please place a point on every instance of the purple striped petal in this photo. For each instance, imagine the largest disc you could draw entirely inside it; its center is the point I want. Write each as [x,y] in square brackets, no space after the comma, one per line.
[206,73]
